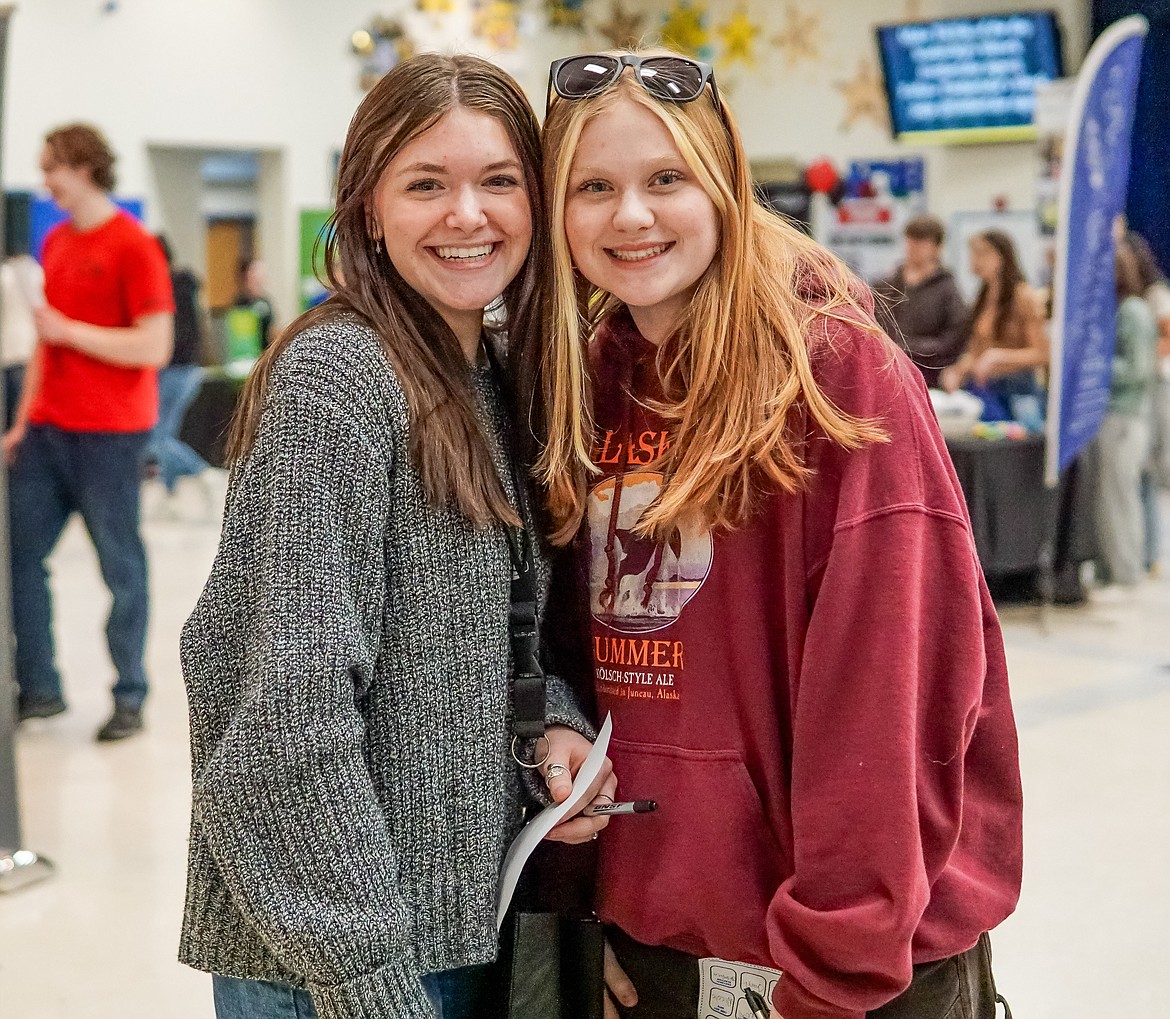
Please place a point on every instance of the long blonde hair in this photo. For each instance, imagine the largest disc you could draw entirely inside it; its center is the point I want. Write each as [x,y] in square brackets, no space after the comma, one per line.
[737,374]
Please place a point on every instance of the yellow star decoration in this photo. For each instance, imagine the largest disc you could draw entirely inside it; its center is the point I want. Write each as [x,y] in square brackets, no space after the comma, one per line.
[685,28]
[739,34]
[799,39]
[565,15]
[435,6]
[623,31]
[864,96]
[497,21]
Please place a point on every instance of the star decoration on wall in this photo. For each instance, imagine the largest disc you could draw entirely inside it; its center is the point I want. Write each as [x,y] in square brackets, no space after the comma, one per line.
[624,29]
[566,13]
[738,35]
[380,47]
[497,22]
[865,98]
[435,6]
[685,28]
[799,38]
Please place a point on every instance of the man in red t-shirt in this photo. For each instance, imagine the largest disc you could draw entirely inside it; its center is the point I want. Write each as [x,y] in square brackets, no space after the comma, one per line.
[89,402]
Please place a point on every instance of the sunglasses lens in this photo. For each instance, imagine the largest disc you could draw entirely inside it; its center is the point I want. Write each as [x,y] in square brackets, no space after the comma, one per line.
[583,76]
[672,78]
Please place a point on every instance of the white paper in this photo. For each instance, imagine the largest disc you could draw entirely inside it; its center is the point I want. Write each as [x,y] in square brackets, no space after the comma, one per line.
[721,987]
[544,822]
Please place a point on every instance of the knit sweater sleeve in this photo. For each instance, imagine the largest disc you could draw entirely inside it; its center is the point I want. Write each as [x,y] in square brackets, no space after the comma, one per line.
[284,797]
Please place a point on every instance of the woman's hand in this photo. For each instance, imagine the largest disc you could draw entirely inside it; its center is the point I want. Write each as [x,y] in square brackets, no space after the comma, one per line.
[567,751]
[989,365]
[951,378]
[617,985]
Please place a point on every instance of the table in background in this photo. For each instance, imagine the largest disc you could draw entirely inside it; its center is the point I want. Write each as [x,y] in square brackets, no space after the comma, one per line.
[1016,519]
[205,427]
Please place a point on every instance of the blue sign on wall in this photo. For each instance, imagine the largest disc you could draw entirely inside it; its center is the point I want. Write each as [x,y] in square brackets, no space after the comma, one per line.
[968,79]
[46,214]
[1092,195]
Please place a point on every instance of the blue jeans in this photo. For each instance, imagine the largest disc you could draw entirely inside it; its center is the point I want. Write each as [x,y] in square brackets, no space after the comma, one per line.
[178,385]
[999,396]
[96,474]
[456,994]
[1151,524]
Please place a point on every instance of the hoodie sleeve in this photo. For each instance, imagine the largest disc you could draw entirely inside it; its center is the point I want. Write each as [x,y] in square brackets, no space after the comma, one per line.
[901,649]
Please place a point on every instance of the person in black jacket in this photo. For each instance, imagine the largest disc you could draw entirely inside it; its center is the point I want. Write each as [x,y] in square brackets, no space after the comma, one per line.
[179,381]
[919,304]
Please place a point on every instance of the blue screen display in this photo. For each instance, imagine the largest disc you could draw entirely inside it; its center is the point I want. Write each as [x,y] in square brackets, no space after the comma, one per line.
[968,79]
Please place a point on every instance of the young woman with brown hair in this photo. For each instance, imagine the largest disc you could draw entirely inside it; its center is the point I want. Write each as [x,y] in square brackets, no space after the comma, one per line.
[1007,341]
[348,663]
[789,623]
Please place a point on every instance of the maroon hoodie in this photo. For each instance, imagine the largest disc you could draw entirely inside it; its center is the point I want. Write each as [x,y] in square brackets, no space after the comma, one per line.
[817,700]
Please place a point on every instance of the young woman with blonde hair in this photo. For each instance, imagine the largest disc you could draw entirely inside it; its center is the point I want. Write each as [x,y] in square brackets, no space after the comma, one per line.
[789,622]
[350,666]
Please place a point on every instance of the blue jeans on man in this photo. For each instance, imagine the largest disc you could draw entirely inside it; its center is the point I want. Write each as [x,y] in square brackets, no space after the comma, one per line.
[178,385]
[57,473]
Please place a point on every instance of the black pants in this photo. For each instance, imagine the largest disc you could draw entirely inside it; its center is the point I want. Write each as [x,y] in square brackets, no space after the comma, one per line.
[667,981]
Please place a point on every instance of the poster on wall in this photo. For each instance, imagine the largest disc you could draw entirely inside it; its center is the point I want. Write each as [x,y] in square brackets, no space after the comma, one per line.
[46,214]
[1053,105]
[865,227]
[314,223]
[1092,192]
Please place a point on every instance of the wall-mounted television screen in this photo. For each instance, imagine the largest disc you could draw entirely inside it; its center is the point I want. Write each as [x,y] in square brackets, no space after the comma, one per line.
[973,79]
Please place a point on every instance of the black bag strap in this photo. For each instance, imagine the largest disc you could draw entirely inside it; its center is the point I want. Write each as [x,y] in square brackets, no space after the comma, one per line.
[528,679]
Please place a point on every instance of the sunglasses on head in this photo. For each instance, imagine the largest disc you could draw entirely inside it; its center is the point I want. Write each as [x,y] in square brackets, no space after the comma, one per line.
[670,79]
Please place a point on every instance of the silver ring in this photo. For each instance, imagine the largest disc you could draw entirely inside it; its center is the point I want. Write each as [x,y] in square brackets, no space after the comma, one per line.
[595,834]
[554,770]
[533,763]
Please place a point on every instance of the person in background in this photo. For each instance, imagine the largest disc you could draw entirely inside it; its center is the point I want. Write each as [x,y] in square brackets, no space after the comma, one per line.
[789,622]
[89,403]
[1122,444]
[253,295]
[919,305]
[1156,475]
[1007,341]
[348,662]
[22,291]
[179,381]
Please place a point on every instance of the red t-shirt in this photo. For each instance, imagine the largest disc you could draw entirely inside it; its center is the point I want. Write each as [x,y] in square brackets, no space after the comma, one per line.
[818,700]
[109,276]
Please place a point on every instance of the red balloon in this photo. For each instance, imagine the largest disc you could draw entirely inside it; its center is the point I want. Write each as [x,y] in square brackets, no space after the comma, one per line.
[822,176]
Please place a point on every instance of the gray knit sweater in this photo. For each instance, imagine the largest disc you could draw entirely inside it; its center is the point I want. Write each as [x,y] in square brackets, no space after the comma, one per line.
[347,675]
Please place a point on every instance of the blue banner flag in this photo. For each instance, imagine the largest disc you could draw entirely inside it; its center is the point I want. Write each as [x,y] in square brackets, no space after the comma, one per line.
[1092,195]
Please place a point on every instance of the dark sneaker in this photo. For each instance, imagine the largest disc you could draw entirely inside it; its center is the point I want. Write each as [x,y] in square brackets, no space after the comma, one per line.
[123,722]
[26,709]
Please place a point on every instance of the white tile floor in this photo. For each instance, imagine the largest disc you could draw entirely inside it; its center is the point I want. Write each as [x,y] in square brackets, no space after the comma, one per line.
[1090,937]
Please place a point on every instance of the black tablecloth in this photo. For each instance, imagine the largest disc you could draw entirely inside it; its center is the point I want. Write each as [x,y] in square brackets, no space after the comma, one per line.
[205,426]
[1013,513]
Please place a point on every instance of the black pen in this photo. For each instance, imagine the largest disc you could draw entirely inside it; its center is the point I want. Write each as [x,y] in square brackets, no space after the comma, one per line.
[757,1003]
[632,807]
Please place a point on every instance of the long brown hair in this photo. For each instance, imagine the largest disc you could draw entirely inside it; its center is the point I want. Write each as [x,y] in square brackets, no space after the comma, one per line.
[446,440]
[737,373]
[1009,278]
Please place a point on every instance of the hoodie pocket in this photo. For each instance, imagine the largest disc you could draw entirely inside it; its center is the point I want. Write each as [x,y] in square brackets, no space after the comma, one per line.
[697,874]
